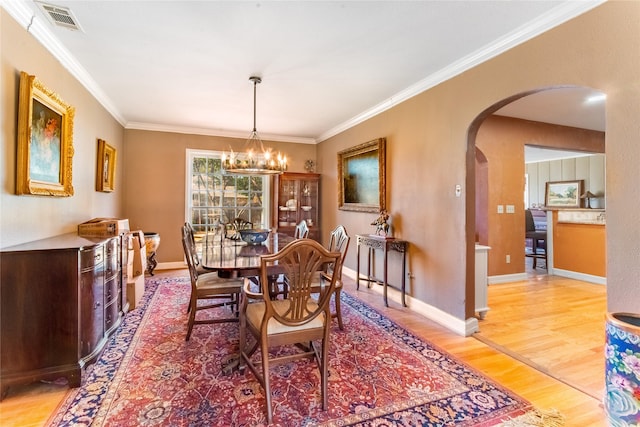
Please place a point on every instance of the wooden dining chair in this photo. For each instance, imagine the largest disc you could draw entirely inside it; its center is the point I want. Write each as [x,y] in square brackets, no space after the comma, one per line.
[192,241]
[338,242]
[208,286]
[279,284]
[297,320]
[302,230]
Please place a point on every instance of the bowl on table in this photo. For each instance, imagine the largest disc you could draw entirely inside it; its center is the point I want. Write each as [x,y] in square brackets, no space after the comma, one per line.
[254,236]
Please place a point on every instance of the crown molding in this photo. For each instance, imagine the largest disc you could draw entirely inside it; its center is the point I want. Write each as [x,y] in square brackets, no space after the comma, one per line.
[559,15]
[38,27]
[216,132]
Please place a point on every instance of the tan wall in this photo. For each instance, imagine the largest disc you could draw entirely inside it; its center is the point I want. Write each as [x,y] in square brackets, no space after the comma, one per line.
[428,138]
[27,218]
[502,141]
[155,174]
[427,143]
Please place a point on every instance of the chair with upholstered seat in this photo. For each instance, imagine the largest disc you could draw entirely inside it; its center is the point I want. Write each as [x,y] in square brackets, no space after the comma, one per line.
[297,320]
[279,284]
[208,286]
[538,239]
[338,242]
[301,231]
[192,241]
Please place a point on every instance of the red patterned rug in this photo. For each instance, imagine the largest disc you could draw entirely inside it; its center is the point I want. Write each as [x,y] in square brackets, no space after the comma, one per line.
[380,375]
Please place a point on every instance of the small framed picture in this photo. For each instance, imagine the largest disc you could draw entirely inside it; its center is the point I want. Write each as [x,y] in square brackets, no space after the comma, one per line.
[106,167]
[45,141]
[563,194]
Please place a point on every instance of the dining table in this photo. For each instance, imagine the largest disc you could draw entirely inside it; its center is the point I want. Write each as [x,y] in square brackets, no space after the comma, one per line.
[236,258]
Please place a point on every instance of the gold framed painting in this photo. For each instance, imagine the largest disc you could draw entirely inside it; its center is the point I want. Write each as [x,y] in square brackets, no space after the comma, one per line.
[45,141]
[563,194]
[106,167]
[362,177]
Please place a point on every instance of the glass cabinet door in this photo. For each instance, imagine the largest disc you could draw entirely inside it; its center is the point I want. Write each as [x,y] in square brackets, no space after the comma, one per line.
[297,199]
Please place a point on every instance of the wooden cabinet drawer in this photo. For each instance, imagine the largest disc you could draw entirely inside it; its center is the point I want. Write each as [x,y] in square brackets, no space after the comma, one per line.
[91,257]
[111,316]
[111,290]
[111,248]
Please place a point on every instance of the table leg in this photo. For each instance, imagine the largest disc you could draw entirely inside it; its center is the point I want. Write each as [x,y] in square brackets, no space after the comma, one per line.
[369,267]
[404,277]
[384,284]
[358,267]
[151,262]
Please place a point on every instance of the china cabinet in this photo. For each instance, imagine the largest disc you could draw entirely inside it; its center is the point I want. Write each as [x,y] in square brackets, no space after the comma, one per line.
[297,198]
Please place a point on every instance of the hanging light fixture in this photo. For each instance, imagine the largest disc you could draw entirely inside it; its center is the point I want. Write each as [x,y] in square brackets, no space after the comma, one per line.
[255,160]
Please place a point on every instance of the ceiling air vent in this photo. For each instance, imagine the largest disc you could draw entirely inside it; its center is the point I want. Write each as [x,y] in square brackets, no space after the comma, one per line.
[60,16]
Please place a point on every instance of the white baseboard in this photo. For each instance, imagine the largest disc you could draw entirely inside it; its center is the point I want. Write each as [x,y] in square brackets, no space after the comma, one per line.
[459,326]
[598,280]
[506,278]
[171,265]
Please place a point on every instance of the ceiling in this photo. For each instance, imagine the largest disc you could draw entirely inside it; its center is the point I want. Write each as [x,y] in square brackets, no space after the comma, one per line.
[185,65]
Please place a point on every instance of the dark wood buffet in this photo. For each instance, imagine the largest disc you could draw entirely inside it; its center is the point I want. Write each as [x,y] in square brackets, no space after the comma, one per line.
[60,300]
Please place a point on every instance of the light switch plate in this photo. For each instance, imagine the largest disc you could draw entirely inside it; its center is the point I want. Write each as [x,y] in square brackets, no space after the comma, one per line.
[511,209]
[500,209]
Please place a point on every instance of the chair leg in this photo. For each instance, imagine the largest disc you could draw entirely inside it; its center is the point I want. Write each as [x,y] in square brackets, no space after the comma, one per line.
[243,331]
[189,306]
[264,348]
[324,370]
[192,315]
[338,309]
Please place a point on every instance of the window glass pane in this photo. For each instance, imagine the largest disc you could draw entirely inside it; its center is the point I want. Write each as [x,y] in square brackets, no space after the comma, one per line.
[215,197]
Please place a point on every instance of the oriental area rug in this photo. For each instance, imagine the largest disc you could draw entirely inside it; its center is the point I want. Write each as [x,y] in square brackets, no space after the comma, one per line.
[380,375]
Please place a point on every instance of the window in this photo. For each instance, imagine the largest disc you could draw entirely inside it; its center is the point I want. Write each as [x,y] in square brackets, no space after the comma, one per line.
[214,198]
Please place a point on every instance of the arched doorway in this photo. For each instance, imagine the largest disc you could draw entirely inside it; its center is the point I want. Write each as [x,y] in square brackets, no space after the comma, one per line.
[505,208]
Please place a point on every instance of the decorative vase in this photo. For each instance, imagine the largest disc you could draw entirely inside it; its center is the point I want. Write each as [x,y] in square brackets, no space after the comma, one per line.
[622,364]
[151,242]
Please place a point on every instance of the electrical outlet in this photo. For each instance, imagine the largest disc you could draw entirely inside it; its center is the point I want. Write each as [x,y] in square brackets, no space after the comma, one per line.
[508,259]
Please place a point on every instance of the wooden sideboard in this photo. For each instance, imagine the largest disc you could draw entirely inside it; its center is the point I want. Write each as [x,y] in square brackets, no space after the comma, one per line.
[60,299]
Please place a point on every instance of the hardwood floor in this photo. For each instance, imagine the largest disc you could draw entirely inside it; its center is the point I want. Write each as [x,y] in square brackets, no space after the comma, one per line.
[32,405]
[552,323]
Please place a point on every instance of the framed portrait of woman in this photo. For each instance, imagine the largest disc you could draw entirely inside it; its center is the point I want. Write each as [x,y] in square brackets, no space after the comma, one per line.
[45,141]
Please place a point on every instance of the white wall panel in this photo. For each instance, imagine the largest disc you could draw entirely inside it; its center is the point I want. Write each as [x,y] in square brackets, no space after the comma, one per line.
[568,169]
[590,168]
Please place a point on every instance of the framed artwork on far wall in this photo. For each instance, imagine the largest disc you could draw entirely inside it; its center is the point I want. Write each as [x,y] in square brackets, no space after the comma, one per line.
[106,167]
[563,194]
[45,141]
[362,177]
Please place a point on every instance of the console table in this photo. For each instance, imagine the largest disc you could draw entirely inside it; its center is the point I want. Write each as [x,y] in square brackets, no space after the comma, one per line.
[385,244]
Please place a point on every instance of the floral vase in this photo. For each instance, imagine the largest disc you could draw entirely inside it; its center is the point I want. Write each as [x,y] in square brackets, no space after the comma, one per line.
[622,363]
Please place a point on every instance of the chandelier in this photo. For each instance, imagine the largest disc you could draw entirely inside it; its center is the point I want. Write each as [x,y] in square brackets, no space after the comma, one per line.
[255,160]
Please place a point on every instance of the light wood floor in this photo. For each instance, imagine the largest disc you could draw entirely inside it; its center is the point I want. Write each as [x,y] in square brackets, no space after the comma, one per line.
[31,406]
[552,323]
